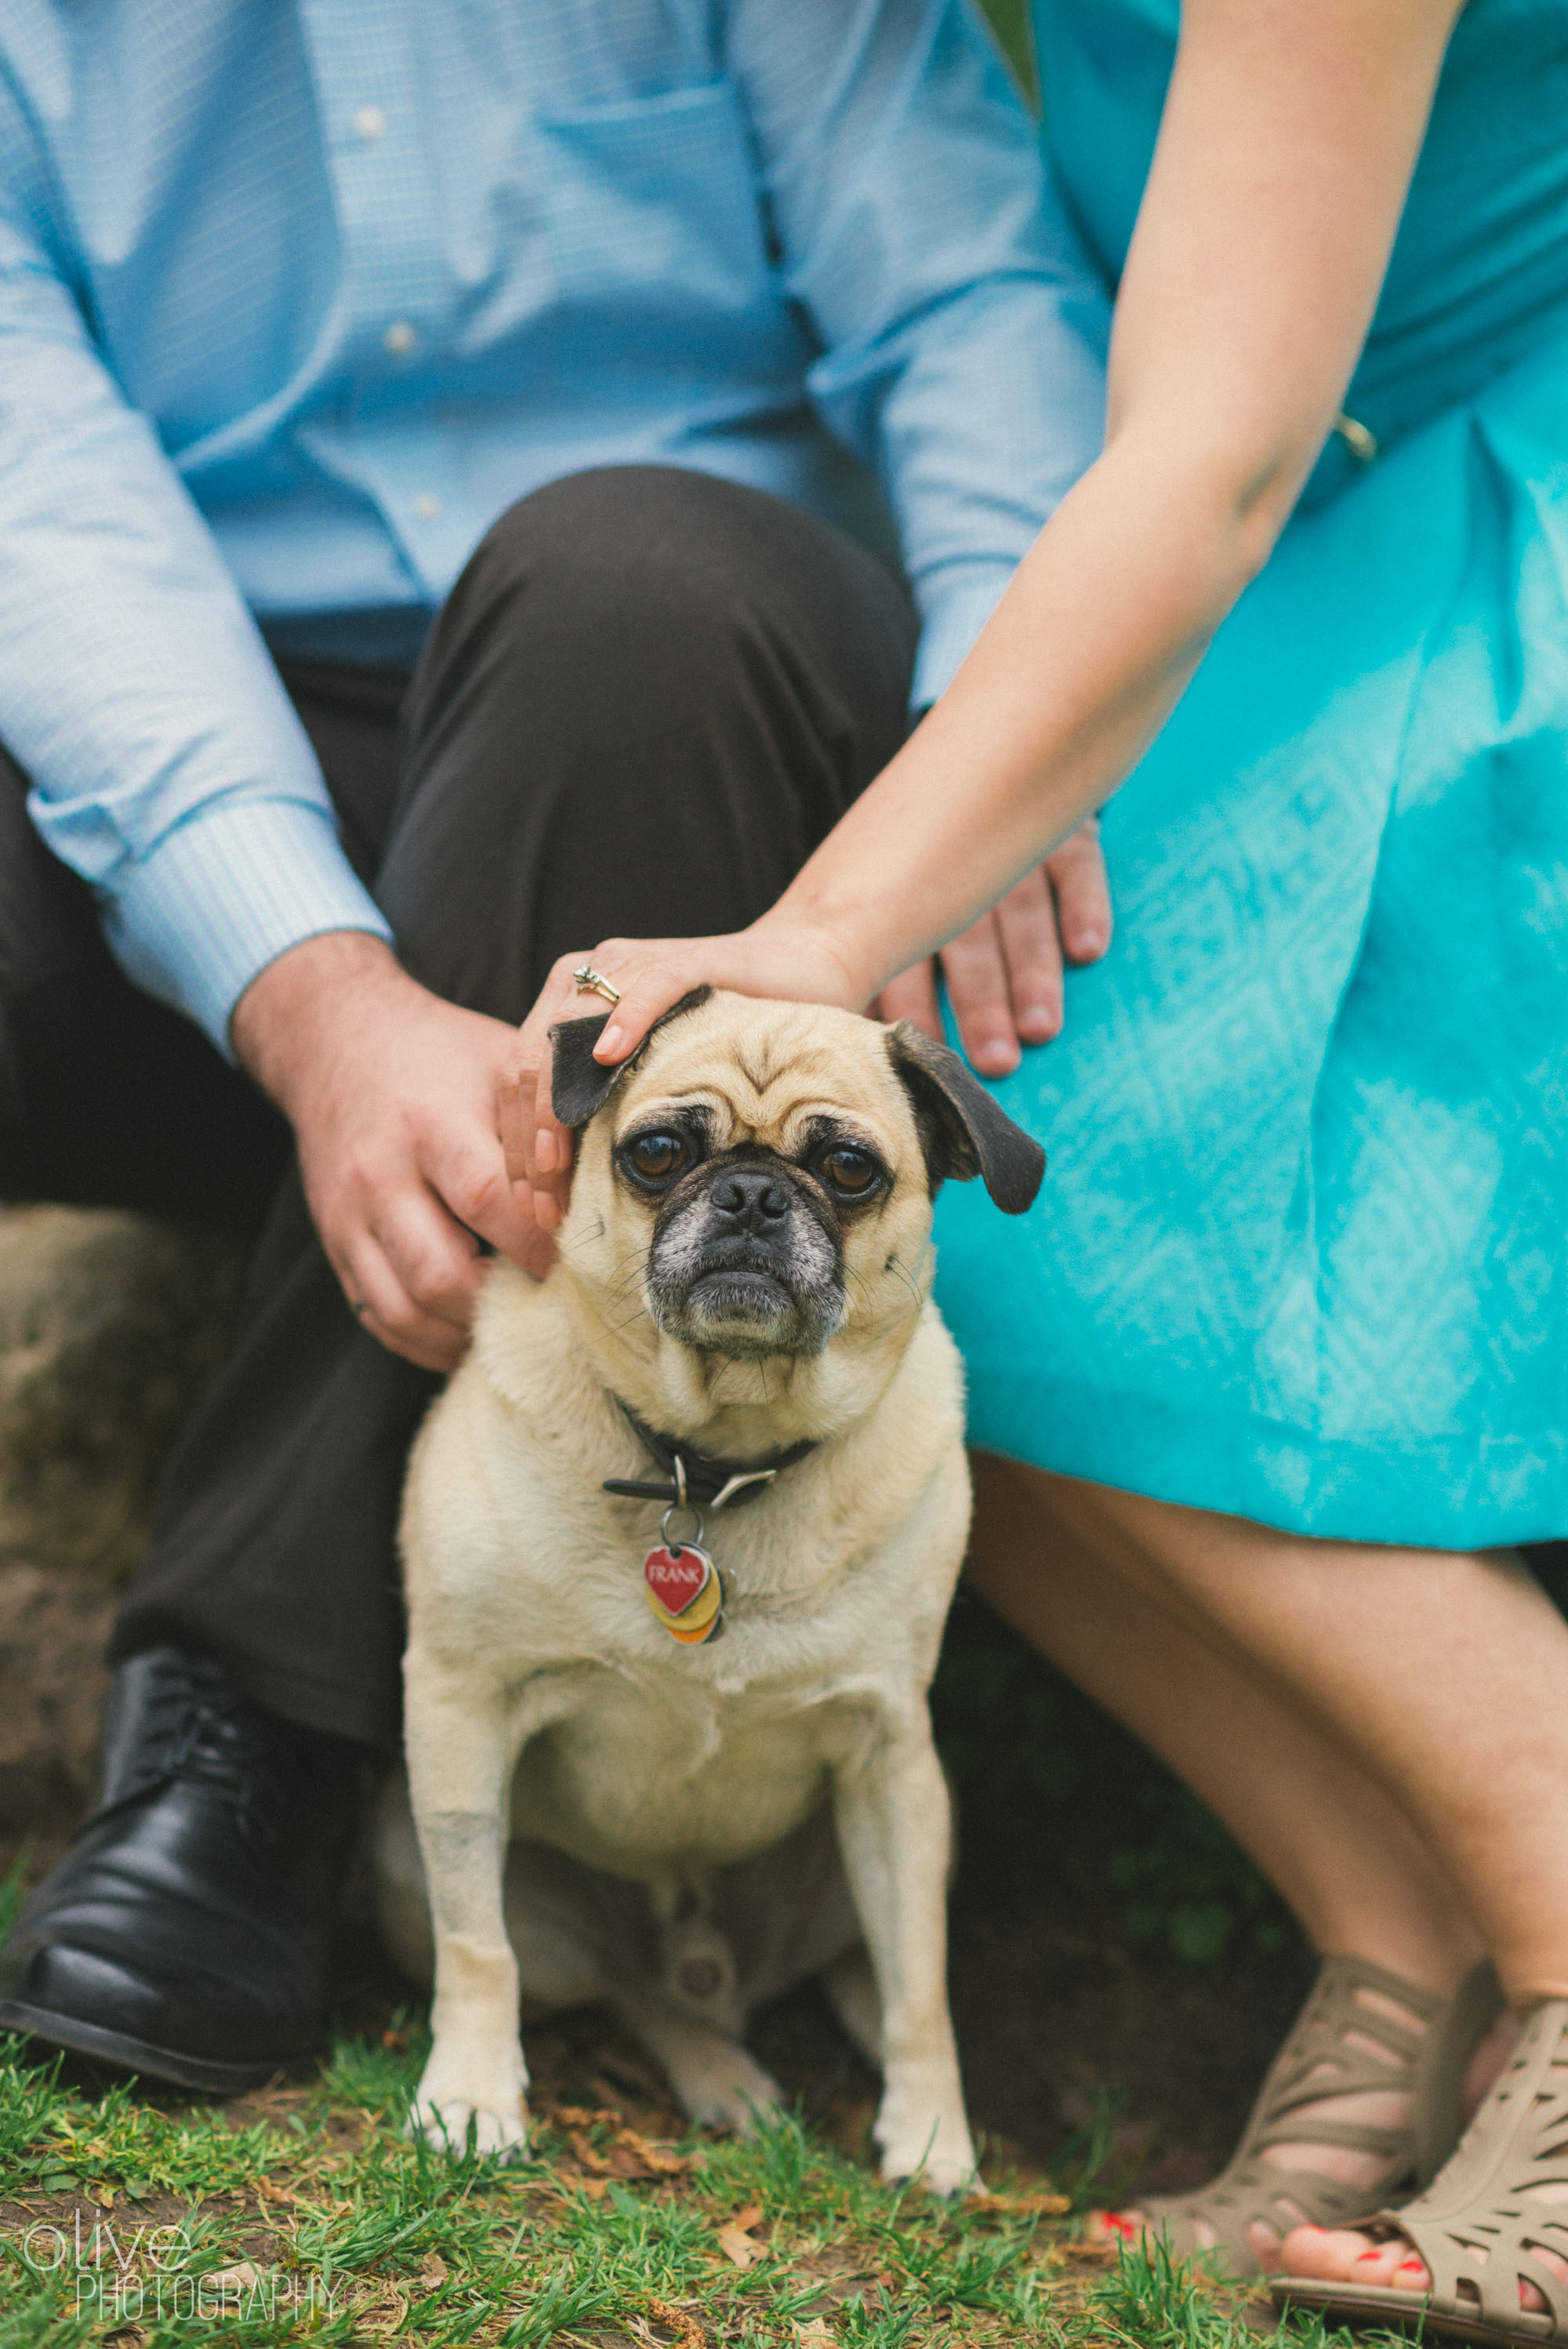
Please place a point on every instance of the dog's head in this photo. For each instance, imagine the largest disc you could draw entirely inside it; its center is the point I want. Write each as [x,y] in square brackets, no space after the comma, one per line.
[756,1182]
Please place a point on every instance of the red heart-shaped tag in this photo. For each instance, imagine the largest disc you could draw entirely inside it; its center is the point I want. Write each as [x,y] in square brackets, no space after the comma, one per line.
[677,1577]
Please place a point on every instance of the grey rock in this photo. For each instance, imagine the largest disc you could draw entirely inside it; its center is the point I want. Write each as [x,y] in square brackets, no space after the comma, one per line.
[53,1629]
[111,1328]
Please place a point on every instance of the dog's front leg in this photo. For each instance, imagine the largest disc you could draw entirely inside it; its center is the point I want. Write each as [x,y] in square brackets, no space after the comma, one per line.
[890,1806]
[462,1743]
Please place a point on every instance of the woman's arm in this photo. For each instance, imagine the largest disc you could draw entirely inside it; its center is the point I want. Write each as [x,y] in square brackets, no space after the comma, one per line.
[1290,133]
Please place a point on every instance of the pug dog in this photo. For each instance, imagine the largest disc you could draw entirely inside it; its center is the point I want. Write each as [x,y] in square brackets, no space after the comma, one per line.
[680,1538]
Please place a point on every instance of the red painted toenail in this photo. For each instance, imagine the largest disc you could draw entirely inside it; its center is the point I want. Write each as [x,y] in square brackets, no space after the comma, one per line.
[1410,2267]
[1374,2253]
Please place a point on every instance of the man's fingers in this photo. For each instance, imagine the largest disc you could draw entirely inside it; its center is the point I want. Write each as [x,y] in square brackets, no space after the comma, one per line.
[383,1307]
[976,979]
[435,1261]
[913,996]
[1082,887]
[515,1121]
[1026,918]
[469,1176]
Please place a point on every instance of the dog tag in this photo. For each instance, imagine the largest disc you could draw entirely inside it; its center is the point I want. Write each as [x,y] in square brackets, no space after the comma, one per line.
[702,1620]
[696,1618]
[699,1590]
[710,1630]
[678,1578]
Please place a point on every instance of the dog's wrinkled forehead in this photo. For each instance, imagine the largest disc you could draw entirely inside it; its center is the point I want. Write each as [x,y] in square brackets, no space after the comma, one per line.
[764,1070]
[767,1076]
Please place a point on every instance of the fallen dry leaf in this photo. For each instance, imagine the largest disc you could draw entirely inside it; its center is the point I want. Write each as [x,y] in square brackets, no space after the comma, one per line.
[737,2246]
[746,2219]
[269,2190]
[241,2277]
[433,2269]
[660,2160]
[818,2334]
[583,2117]
[688,2332]
[585,2152]
[1096,2255]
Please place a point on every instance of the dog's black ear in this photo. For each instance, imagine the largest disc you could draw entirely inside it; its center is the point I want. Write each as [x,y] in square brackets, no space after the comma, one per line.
[963,1130]
[579,1084]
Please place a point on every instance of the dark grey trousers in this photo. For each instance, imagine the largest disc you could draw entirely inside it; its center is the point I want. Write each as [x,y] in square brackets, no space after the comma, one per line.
[649,696]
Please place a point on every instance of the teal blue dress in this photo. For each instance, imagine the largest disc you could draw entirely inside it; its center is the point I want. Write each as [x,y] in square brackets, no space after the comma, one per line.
[1301,1253]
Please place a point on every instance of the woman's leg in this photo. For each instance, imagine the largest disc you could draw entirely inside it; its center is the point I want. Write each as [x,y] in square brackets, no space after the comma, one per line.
[1338,1851]
[1358,1878]
[1442,1677]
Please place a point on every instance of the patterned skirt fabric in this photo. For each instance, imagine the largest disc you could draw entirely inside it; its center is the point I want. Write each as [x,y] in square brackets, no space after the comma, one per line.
[1301,1253]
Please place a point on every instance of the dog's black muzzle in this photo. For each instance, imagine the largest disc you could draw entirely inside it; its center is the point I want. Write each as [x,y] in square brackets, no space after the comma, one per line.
[746,1260]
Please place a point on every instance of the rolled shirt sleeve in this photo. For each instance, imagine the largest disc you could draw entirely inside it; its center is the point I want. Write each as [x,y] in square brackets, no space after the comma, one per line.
[166,763]
[963,325]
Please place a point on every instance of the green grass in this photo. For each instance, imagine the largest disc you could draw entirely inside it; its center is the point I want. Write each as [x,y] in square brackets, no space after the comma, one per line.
[304,2214]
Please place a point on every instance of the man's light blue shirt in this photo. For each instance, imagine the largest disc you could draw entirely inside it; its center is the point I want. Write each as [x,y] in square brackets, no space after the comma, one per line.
[296,297]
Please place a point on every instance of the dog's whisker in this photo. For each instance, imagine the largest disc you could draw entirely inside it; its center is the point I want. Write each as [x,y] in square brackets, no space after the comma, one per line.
[894,1265]
[582,1240]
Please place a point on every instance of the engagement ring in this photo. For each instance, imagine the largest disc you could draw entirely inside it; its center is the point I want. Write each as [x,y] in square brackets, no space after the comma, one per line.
[587,981]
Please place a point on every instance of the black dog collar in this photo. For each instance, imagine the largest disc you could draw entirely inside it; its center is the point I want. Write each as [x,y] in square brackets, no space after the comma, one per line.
[694,1479]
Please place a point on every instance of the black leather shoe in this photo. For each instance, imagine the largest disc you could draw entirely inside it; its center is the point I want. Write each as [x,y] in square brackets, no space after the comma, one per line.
[185,1932]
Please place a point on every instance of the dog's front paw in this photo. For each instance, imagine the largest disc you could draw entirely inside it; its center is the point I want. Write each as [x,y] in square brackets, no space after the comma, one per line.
[923,2132]
[492,2120]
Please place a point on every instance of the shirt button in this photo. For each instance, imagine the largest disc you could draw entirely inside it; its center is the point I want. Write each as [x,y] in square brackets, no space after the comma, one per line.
[399,339]
[426,505]
[369,121]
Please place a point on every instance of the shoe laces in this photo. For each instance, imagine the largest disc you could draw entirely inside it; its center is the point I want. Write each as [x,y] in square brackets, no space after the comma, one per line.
[193,1725]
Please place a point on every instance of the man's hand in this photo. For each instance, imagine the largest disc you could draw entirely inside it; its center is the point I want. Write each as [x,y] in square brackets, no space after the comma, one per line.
[1004,975]
[392,1096]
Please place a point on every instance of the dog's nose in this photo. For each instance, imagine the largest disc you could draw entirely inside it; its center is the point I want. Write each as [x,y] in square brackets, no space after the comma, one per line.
[749,1200]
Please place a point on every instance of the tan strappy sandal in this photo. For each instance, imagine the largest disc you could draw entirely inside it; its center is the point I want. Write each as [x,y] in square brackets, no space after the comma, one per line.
[1502,2197]
[1319,2059]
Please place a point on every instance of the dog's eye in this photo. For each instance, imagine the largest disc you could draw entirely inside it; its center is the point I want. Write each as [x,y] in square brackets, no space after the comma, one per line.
[852,1174]
[656,1157]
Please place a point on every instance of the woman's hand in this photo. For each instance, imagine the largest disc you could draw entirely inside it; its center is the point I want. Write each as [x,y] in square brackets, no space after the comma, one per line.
[776,957]
[1004,975]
